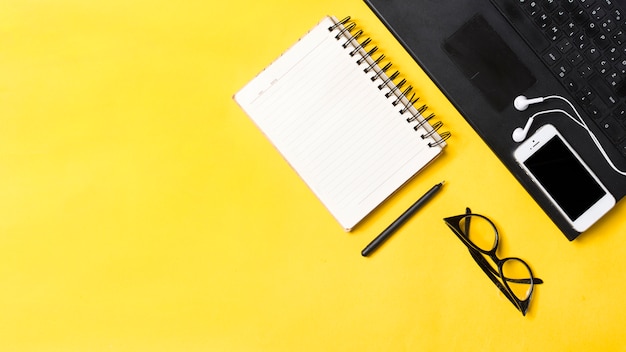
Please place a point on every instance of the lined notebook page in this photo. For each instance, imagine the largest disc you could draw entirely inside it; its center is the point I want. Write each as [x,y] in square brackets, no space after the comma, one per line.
[338,131]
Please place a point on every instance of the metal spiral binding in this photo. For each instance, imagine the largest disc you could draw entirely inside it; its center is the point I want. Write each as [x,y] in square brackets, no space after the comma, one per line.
[444,135]
[395,89]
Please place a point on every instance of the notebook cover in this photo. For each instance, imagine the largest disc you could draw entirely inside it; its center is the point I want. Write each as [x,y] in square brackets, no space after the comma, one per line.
[354,142]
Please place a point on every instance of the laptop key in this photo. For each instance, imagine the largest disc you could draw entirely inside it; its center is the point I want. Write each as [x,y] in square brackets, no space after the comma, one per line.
[570,84]
[613,130]
[564,45]
[617,15]
[619,37]
[584,97]
[532,8]
[562,70]
[595,110]
[575,58]
[598,13]
[620,113]
[613,79]
[585,71]
[552,57]
[602,90]
[602,41]
[603,67]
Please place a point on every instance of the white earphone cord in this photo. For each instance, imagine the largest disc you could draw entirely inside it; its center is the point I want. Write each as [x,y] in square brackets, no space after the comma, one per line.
[582,124]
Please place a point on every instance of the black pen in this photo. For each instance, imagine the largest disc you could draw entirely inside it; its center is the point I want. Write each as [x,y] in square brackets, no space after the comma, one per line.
[401,220]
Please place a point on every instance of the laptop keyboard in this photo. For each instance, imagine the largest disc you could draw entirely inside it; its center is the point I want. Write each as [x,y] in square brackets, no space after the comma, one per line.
[583,43]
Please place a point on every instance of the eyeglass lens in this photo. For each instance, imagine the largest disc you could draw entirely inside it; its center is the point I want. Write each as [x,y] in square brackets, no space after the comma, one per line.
[483,235]
[516,275]
[480,232]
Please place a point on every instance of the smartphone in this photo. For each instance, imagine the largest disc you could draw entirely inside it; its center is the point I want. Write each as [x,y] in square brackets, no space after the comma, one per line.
[564,177]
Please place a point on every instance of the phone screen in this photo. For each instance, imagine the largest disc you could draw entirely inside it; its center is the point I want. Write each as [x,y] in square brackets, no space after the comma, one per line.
[564,178]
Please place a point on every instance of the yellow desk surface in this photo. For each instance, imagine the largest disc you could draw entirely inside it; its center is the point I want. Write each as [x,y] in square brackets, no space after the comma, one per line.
[142,210]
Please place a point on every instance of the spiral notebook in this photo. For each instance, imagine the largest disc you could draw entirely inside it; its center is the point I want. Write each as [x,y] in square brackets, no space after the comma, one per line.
[340,119]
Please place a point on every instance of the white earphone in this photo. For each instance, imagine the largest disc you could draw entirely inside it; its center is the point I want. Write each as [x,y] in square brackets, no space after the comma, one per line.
[519,134]
[521,103]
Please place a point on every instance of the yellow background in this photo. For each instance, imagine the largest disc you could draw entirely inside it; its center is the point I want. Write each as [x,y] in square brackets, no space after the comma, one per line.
[142,210]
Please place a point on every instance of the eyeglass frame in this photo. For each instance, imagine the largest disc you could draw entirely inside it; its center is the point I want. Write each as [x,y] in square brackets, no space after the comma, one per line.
[454,223]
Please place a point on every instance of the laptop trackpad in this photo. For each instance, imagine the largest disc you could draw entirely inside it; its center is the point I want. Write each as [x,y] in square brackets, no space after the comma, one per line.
[488,62]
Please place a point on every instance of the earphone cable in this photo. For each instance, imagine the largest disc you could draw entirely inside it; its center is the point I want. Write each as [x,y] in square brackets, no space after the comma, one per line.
[582,124]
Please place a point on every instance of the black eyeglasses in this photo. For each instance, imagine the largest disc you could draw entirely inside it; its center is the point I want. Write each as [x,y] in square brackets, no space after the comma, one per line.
[512,275]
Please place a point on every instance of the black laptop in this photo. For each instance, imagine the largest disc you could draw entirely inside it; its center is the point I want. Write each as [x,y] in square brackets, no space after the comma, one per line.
[571,48]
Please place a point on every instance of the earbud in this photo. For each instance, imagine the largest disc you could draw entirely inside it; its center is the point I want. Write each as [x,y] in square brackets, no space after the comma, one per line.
[521,103]
[519,134]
